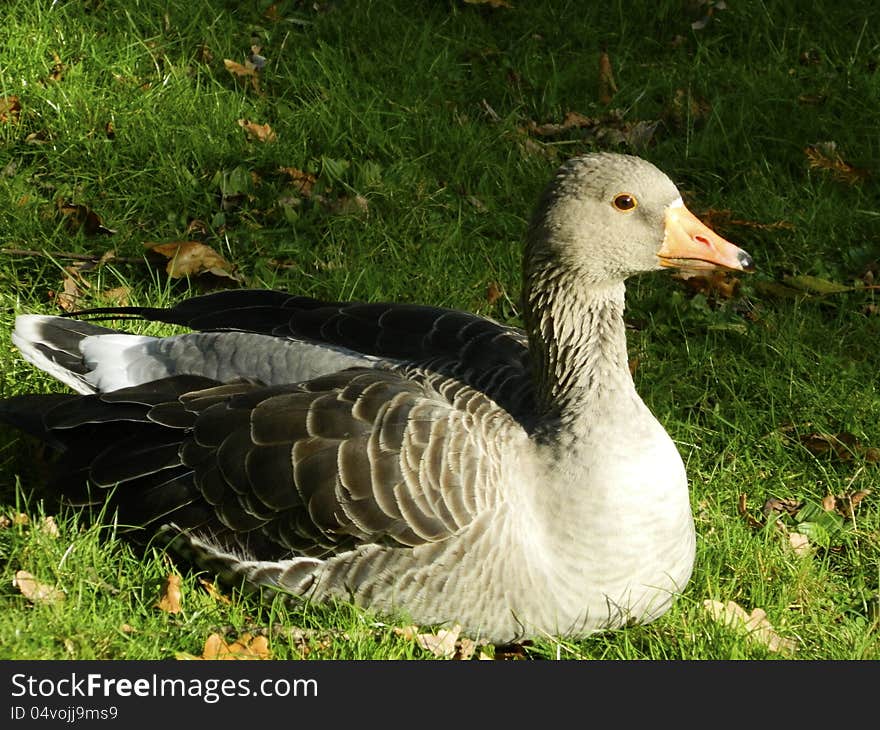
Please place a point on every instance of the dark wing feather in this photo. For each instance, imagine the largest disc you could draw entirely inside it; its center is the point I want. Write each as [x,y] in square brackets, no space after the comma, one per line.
[360,456]
[481,353]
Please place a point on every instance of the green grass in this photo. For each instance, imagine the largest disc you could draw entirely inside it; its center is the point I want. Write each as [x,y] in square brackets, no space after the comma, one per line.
[389,100]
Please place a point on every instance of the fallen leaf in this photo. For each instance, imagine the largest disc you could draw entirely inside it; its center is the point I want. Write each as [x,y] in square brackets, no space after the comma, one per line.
[70,296]
[245,647]
[214,592]
[10,109]
[824,156]
[609,130]
[302,181]
[49,526]
[789,506]
[259,132]
[169,598]
[799,543]
[714,285]
[844,504]
[441,644]
[80,217]
[742,508]
[238,69]
[35,591]
[57,68]
[607,86]
[493,292]
[345,205]
[841,445]
[117,296]
[687,109]
[190,258]
[756,625]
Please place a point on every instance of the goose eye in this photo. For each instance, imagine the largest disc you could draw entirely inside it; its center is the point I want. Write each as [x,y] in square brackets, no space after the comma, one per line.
[624,202]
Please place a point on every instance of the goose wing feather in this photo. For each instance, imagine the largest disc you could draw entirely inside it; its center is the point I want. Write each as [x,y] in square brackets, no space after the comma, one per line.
[484,354]
[360,456]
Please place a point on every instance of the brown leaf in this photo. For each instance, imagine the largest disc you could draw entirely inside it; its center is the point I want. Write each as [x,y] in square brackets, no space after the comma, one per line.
[245,647]
[69,296]
[169,598]
[687,109]
[80,217]
[441,644]
[117,296]
[841,445]
[302,181]
[58,68]
[345,205]
[190,258]
[844,504]
[824,156]
[607,87]
[799,543]
[756,625]
[493,292]
[10,109]
[259,132]
[35,591]
[213,592]
[715,284]
[238,69]
[789,506]
[49,526]
[742,508]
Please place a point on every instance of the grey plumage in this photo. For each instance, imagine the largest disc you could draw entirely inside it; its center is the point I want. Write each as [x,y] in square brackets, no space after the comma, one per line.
[406,457]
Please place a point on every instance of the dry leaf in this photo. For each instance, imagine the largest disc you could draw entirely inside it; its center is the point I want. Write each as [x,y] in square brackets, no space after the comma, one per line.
[742,508]
[713,285]
[685,109]
[5,522]
[238,69]
[10,109]
[259,132]
[345,205]
[245,647]
[69,296]
[799,543]
[35,591]
[842,445]
[169,599]
[824,156]
[493,292]
[302,181]
[80,217]
[49,526]
[844,504]
[189,258]
[20,519]
[441,644]
[607,87]
[117,296]
[756,625]
[213,592]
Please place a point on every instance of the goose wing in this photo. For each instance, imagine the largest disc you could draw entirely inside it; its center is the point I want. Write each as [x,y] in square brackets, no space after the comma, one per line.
[317,468]
[479,352]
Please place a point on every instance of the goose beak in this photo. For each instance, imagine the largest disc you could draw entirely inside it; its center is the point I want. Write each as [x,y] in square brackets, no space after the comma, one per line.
[691,244]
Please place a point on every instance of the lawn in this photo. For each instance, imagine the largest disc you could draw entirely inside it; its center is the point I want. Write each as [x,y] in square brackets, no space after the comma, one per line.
[393,150]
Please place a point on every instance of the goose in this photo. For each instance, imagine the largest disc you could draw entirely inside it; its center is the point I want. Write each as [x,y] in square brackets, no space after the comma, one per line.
[418,461]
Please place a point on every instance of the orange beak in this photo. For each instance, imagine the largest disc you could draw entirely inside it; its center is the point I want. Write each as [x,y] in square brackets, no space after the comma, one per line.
[691,244]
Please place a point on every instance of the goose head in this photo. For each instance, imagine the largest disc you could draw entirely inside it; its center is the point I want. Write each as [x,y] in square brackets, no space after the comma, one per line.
[605,217]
